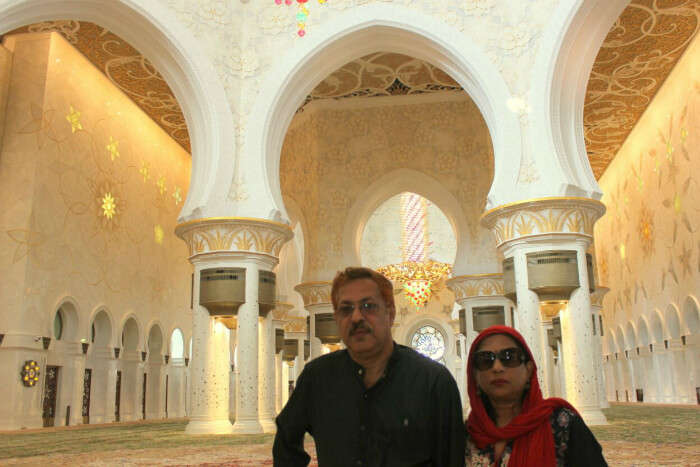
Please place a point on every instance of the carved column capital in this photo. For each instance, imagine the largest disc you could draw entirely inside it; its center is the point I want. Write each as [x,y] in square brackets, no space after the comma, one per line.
[476,285]
[315,293]
[234,235]
[543,216]
[295,325]
[281,311]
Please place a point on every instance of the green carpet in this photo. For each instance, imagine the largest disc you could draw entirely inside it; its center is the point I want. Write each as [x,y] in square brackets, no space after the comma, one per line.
[650,424]
[628,423]
[114,437]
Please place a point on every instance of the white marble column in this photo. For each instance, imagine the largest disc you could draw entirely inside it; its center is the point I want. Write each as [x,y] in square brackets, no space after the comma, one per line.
[111,383]
[285,382]
[547,362]
[247,413]
[209,368]
[578,342]
[278,324]
[317,299]
[278,382]
[597,308]
[215,242]
[267,374]
[680,374]
[78,363]
[529,319]
[300,363]
[692,358]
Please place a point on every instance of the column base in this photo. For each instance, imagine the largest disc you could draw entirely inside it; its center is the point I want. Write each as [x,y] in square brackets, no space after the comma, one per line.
[247,427]
[209,427]
[593,417]
[268,426]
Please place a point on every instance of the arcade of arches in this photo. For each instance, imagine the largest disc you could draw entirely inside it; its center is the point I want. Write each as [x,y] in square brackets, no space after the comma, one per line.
[179,190]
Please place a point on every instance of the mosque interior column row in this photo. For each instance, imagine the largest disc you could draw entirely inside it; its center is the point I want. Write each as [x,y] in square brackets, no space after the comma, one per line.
[233,286]
[544,244]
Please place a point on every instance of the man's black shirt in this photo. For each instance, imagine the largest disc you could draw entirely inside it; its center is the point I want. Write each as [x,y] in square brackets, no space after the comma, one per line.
[412,416]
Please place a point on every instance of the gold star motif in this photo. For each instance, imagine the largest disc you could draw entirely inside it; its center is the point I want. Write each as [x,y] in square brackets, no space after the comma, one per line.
[677,203]
[74,119]
[161,184]
[177,195]
[145,171]
[158,234]
[109,206]
[113,148]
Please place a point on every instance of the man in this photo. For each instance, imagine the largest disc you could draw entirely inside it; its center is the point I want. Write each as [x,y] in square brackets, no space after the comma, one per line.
[376,403]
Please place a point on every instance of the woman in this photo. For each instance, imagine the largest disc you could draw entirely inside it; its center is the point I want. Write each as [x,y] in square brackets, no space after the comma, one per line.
[510,424]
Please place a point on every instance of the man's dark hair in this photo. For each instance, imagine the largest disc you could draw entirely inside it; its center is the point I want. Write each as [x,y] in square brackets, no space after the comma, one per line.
[386,288]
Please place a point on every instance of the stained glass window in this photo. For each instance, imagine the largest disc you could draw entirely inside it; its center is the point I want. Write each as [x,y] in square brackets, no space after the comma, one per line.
[430,342]
[58,325]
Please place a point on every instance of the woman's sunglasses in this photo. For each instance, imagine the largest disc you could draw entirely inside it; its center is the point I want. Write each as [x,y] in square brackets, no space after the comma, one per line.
[509,358]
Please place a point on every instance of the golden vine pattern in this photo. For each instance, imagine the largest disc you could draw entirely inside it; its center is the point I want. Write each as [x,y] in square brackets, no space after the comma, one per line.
[637,55]
[126,68]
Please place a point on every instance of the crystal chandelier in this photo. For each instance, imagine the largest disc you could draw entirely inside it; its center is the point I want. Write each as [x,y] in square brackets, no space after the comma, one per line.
[417,278]
[416,274]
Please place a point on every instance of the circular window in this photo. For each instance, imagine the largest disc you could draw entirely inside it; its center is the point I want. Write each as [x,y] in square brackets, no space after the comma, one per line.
[430,342]
[58,325]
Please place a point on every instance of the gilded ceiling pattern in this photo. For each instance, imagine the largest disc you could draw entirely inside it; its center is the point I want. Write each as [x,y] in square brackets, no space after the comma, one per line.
[126,68]
[639,52]
[382,74]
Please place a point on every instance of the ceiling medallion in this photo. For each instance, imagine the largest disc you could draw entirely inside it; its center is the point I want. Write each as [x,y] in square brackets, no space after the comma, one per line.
[301,15]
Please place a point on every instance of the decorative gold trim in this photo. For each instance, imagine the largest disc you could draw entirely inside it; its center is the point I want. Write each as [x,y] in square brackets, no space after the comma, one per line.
[475,276]
[476,285]
[312,283]
[213,220]
[314,293]
[543,199]
[553,215]
[229,234]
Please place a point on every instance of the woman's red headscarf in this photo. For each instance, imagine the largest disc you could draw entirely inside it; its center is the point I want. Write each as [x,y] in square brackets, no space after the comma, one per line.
[531,430]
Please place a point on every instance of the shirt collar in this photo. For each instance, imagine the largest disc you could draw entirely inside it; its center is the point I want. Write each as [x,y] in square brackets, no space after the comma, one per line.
[396,355]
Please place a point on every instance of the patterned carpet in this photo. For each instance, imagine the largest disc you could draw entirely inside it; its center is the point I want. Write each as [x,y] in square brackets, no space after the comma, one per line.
[637,436]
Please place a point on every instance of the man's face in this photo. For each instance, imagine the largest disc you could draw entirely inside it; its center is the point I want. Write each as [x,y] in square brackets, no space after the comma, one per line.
[364,320]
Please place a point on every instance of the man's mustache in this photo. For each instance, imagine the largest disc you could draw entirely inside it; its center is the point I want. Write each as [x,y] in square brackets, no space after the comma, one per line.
[360,326]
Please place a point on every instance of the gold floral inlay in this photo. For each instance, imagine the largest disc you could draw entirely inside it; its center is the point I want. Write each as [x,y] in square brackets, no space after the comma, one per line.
[73,118]
[113,148]
[109,206]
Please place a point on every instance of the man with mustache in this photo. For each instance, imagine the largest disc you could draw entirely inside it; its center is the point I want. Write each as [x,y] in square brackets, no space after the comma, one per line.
[376,403]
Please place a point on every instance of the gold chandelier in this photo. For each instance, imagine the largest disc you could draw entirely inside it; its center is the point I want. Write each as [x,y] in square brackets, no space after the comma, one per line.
[417,278]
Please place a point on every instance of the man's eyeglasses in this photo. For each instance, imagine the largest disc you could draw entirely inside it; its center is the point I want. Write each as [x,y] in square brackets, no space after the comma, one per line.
[346,308]
[510,358]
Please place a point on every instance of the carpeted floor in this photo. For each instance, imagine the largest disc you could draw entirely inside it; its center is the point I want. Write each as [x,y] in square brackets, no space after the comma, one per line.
[637,436]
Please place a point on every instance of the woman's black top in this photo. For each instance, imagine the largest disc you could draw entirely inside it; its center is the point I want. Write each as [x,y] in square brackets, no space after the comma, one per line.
[574,443]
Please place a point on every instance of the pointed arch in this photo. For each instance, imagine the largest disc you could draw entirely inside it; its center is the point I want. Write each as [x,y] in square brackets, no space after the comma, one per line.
[157,34]
[391,184]
[100,330]
[559,78]
[355,33]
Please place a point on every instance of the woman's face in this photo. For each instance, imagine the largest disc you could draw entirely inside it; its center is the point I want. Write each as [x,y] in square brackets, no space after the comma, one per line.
[500,383]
